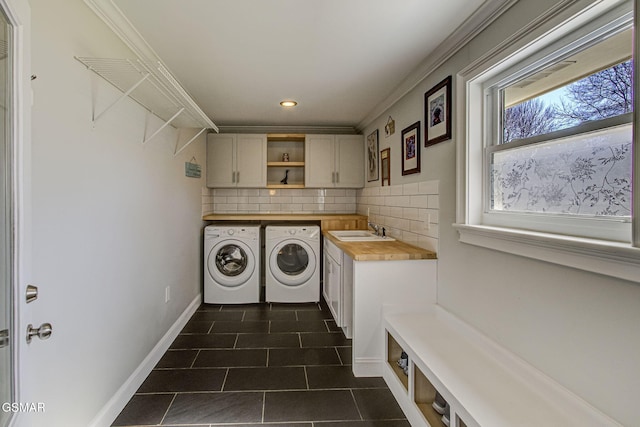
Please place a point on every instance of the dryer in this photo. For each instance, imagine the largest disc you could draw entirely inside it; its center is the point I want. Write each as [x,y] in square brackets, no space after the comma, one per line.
[232,264]
[292,260]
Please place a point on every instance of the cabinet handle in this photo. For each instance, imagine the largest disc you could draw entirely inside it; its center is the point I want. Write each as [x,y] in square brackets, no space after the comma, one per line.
[337,177]
[333,177]
[237,177]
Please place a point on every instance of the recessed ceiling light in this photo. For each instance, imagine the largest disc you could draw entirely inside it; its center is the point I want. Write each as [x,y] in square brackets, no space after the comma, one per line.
[288,103]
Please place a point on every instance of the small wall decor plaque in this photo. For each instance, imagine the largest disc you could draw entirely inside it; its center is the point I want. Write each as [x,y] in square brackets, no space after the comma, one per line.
[192,169]
[390,127]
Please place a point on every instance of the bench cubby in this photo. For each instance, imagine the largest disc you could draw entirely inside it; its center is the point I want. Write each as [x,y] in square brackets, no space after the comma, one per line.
[484,384]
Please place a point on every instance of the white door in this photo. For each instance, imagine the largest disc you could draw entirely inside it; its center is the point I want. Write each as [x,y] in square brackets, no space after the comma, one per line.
[251,158]
[319,163]
[220,161]
[7,242]
[350,161]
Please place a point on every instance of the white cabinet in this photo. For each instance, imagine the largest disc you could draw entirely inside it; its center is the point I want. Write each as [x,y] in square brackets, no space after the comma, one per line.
[236,160]
[334,161]
[338,286]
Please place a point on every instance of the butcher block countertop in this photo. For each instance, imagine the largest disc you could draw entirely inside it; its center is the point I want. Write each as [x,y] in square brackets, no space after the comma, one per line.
[279,217]
[327,221]
[393,250]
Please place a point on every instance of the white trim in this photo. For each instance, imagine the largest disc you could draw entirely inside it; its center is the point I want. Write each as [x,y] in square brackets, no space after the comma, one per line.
[471,27]
[119,24]
[635,234]
[609,258]
[367,366]
[620,260]
[119,400]
[16,143]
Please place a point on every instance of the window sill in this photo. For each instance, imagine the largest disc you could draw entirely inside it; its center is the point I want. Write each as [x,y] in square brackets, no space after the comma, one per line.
[613,259]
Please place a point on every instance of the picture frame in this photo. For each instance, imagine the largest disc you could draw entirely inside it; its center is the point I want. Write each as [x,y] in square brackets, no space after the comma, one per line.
[373,160]
[385,160]
[410,147]
[437,113]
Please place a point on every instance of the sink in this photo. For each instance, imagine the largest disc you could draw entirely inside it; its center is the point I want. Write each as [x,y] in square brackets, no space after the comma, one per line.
[358,236]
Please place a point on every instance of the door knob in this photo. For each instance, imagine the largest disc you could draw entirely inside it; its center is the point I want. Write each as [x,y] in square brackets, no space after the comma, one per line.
[43,332]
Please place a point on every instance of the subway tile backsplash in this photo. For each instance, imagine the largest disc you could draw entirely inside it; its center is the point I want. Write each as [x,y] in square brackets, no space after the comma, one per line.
[409,212]
[259,200]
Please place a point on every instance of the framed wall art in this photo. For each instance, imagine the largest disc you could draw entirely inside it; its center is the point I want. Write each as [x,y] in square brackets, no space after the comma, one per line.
[411,149]
[373,161]
[437,112]
[385,160]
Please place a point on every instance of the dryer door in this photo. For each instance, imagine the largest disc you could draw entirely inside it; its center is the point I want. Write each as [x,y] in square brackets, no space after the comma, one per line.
[231,263]
[292,262]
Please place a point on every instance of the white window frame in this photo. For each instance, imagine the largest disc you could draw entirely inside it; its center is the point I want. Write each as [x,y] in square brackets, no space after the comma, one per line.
[568,23]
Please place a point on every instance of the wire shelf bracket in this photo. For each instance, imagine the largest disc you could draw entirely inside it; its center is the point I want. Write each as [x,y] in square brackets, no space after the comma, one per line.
[126,94]
[164,125]
[177,151]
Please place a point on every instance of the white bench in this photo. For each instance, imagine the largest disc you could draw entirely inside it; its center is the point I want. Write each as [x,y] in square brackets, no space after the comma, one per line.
[484,384]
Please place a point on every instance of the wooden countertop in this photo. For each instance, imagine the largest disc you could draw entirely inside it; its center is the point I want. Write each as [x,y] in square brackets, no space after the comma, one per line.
[279,217]
[394,250]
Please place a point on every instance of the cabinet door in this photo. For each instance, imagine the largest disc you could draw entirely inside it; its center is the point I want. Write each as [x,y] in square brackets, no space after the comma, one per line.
[333,290]
[319,163]
[220,161]
[251,160]
[350,161]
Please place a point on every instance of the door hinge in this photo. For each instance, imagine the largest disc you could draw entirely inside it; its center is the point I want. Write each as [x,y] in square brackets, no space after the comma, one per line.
[4,338]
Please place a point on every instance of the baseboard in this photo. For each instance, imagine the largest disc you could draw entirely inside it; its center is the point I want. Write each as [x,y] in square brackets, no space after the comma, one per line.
[114,406]
[367,367]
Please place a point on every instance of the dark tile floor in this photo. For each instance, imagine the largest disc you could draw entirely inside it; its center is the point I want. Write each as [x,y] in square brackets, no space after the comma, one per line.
[260,364]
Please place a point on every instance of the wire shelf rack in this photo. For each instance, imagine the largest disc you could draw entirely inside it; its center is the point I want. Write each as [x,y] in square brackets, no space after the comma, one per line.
[153,87]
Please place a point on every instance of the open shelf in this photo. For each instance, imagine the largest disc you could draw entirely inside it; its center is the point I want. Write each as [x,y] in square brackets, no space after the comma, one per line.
[424,395]
[285,185]
[285,164]
[393,354]
[152,86]
[293,146]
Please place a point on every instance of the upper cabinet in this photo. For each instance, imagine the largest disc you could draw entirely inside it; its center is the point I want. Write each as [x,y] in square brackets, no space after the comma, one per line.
[334,161]
[236,160]
[285,161]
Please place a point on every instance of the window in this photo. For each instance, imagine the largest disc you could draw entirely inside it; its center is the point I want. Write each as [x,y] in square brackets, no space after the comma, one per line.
[548,143]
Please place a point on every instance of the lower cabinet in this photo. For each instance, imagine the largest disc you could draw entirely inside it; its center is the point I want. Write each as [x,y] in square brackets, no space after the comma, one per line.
[338,286]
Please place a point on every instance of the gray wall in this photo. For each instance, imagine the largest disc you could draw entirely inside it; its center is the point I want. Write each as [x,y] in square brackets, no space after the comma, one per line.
[581,329]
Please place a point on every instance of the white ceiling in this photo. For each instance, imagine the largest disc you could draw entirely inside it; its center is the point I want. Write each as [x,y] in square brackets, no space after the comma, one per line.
[338,58]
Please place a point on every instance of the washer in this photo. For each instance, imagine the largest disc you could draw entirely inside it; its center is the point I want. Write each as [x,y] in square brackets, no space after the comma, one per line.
[232,264]
[292,258]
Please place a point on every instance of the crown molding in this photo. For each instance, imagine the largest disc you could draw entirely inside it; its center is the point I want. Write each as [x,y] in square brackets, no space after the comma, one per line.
[471,27]
[113,16]
[336,130]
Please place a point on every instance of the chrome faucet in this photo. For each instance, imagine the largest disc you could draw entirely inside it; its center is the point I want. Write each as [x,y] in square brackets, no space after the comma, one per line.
[374,227]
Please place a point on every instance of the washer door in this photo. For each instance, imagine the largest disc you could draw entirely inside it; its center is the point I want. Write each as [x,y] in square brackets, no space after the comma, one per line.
[231,263]
[292,262]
